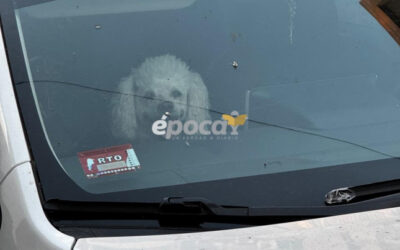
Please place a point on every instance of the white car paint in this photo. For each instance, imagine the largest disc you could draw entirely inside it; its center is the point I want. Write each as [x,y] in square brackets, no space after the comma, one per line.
[24,224]
[13,149]
[368,230]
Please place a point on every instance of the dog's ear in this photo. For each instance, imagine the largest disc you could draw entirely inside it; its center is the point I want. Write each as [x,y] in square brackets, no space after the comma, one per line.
[124,111]
[197,100]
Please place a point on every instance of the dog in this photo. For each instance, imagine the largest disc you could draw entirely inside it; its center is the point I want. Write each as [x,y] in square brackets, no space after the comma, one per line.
[160,85]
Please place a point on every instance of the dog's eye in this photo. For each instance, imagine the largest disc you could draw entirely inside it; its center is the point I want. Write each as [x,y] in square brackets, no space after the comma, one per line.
[150,94]
[176,93]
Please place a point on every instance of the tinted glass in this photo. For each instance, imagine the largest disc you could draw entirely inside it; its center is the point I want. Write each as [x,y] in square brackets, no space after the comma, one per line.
[209,89]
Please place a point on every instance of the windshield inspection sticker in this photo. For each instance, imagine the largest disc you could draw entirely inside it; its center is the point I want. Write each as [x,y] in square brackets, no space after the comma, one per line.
[109,161]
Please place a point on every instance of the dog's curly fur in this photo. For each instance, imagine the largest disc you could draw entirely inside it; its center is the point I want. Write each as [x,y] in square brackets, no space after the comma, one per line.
[160,84]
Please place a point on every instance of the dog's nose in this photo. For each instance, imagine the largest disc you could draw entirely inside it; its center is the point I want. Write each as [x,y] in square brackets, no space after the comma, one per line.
[165,107]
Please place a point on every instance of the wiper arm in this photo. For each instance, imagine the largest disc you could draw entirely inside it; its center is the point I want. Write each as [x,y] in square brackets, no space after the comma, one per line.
[199,206]
[361,193]
[194,211]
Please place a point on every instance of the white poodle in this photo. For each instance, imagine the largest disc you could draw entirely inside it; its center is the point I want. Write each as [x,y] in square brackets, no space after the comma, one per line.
[160,84]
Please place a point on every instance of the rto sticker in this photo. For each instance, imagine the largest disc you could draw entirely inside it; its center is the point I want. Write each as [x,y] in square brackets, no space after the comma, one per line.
[109,161]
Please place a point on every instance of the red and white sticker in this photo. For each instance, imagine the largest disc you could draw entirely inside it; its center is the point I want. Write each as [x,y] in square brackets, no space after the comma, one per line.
[109,161]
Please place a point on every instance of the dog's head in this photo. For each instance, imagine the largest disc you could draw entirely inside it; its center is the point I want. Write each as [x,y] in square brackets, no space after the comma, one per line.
[159,85]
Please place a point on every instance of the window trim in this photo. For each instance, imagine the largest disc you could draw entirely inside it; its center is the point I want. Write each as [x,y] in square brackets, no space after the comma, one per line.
[373,7]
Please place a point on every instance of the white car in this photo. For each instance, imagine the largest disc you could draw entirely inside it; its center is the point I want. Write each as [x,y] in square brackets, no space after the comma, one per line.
[199,124]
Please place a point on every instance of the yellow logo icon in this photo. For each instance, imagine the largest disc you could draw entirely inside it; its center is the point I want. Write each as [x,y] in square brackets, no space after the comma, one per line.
[235,119]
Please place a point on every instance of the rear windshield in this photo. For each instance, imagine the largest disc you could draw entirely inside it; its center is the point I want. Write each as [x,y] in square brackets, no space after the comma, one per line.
[142,94]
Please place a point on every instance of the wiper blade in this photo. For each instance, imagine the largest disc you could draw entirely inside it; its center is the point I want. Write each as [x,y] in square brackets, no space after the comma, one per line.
[171,205]
[178,212]
[354,194]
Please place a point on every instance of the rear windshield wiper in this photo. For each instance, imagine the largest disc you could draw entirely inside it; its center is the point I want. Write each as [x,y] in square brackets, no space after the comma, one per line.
[354,194]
